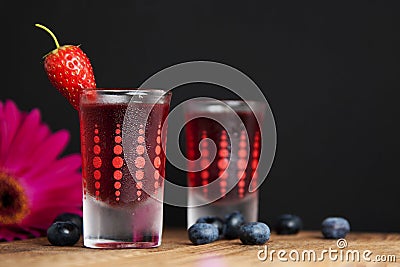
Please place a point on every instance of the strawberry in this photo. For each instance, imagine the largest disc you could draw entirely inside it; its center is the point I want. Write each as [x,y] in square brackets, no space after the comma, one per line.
[69,70]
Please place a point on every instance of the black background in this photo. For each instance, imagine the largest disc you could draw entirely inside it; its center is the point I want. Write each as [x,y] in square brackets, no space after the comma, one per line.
[329,69]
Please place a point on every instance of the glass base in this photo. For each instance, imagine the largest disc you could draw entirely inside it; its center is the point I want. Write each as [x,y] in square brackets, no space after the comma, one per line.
[248,206]
[122,226]
[113,244]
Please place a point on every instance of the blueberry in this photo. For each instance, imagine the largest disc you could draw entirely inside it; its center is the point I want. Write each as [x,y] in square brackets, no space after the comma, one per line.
[254,233]
[63,234]
[335,227]
[214,220]
[233,222]
[70,217]
[288,224]
[202,233]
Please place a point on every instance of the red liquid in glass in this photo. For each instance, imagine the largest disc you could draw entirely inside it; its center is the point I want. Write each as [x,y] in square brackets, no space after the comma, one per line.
[115,204]
[201,128]
[242,173]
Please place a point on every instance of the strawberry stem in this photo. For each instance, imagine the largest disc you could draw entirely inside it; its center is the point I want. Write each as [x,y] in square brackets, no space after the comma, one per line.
[51,34]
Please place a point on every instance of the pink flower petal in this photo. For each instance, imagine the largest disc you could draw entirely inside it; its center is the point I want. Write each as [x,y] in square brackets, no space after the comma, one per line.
[26,159]
[42,133]
[34,232]
[55,170]
[48,151]
[21,142]
[13,232]
[70,194]
[43,219]
[9,124]
[29,153]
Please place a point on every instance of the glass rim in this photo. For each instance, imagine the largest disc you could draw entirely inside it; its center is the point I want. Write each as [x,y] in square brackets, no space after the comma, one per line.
[207,106]
[239,101]
[132,90]
[230,102]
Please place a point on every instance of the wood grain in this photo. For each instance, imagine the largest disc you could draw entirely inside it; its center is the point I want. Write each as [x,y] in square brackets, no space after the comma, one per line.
[176,250]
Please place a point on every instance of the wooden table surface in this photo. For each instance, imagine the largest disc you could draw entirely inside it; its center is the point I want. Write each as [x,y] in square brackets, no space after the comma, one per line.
[176,250]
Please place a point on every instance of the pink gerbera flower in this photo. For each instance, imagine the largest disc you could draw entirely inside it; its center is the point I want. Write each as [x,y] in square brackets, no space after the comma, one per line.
[35,185]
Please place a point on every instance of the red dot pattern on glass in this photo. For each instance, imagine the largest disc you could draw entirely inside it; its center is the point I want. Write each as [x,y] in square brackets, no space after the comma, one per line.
[204,175]
[191,155]
[139,175]
[140,162]
[140,150]
[223,162]
[242,153]
[254,161]
[254,164]
[97,174]
[117,162]
[223,174]
[223,153]
[96,149]
[204,162]
[117,150]
[157,160]
[97,163]
[139,185]
[242,164]
[140,139]
[256,153]
[117,174]
[117,185]
[223,143]
[118,139]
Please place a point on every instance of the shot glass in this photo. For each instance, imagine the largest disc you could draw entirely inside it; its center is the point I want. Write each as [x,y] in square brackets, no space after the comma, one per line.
[123,164]
[223,144]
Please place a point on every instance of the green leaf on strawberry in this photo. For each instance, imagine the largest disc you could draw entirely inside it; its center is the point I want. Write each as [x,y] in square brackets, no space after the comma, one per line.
[68,69]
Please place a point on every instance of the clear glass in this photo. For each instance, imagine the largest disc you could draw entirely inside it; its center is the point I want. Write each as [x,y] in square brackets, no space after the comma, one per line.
[122,203]
[223,142]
